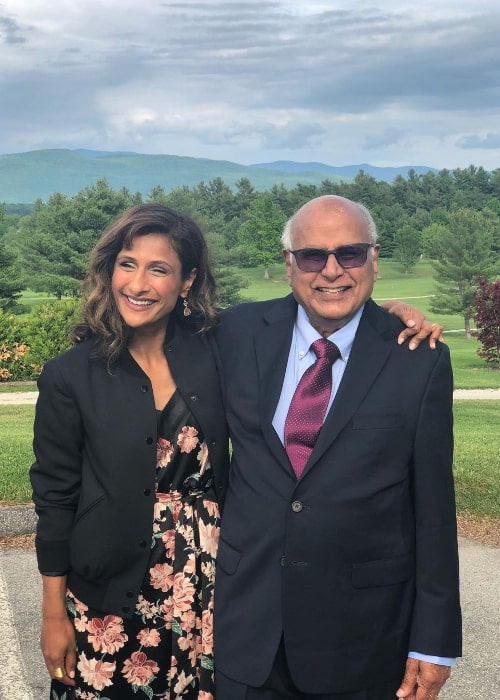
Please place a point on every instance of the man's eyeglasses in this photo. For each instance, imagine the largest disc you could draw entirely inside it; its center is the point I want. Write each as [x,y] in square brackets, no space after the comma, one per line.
[347,256]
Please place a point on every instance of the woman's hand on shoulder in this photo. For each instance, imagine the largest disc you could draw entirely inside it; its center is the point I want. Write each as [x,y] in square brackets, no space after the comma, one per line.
[418,328]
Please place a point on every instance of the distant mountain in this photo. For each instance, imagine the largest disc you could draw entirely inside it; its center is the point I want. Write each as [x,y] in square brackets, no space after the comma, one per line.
[25,177]
[345,172]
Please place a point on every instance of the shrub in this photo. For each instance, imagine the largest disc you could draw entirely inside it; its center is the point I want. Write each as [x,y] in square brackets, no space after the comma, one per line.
[14,363]
[27,343]
[487,317]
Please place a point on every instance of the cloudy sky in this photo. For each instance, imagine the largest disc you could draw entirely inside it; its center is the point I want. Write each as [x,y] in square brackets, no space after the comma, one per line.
[386,82]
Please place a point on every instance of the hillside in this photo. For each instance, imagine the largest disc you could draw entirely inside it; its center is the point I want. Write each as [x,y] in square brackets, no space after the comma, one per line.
[25,177]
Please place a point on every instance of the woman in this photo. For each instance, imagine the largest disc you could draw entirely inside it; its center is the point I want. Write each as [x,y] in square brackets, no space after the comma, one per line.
[131,463]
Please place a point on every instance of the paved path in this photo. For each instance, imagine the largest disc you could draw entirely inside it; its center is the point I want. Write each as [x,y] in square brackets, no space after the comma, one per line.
[29,397]
[23,675]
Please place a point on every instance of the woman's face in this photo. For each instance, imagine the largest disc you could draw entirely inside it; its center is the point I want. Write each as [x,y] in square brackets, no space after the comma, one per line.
[147,282]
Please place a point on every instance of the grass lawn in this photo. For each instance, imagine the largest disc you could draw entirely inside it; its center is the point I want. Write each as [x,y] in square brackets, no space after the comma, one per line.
[32,299]
[6,388]
[477,457]
[16,455]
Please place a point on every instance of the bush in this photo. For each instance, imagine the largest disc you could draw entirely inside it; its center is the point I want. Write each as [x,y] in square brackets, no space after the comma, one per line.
[487,317]
[27,343]
[14,363]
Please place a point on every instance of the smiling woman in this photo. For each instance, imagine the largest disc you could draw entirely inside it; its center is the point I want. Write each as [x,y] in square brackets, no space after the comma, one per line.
[131,464]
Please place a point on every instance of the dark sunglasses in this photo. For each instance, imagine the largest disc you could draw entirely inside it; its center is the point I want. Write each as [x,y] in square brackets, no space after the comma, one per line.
[347,256]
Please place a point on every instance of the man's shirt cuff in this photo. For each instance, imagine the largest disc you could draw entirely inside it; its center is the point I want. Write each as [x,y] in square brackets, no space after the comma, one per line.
[441,660]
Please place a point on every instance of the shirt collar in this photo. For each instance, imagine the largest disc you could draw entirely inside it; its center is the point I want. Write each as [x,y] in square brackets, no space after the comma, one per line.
[305,334]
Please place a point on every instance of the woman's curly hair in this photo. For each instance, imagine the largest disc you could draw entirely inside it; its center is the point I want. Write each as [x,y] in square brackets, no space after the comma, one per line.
[100,317]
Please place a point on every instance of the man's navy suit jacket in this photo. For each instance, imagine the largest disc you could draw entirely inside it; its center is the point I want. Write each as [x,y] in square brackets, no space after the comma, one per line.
[356,562]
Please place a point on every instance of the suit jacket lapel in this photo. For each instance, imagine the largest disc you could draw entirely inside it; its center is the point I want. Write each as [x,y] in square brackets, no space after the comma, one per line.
[272,347]
[369,353]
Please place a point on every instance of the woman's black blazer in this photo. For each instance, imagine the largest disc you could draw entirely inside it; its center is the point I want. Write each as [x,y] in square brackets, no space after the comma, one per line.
[94,475]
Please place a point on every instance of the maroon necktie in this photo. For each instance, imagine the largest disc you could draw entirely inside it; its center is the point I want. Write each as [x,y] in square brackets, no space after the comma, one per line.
[308,407]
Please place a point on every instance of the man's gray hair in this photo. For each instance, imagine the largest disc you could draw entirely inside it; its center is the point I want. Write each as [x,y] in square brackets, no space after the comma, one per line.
[371,227]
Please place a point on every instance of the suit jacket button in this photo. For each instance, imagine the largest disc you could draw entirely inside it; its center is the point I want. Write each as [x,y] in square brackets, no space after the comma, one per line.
[297,506]
[149,441]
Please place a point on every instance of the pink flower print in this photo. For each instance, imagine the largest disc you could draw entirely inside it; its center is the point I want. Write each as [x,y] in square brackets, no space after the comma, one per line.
[166,612]
[161,577]
[211,507]
[188,620]
[138,669]
[164,452]
[186,642]
[168,539]
[202,457]
[207,632]
[187,439]
[148,637]
[175,505]
[96,673]
[80,607]
[145,608]
[209,538]
[106,634]
[183,682]
[80,623]
[190,565]
[184,592]
[208,570]
[83,695]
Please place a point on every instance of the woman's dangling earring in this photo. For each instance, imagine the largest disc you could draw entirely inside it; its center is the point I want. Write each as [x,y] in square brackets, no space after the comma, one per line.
[187,310]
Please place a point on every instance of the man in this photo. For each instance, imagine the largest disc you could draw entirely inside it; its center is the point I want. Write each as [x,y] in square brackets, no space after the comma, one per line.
[337,569]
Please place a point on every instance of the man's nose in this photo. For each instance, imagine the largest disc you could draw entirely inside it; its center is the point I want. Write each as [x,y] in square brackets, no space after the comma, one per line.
[332,267]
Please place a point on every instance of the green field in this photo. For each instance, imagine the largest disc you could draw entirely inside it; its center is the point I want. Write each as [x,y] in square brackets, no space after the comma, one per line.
[477,457]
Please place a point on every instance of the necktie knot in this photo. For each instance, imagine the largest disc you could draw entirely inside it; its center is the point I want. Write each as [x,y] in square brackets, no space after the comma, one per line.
[325,348]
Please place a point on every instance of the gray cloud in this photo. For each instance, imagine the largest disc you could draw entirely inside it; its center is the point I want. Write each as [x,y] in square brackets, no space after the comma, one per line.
[265,79]
[489,140]
[10,32]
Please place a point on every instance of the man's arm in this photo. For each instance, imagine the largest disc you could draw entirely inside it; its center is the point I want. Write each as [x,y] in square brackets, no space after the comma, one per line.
[418,328]
[436,618]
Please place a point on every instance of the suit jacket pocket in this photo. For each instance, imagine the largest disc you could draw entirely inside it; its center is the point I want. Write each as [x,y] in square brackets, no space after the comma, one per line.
[376,421]
[383,572]
[228,557]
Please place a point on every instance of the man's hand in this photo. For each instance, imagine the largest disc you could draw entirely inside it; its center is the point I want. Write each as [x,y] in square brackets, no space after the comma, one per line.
[422,680]
[418,327]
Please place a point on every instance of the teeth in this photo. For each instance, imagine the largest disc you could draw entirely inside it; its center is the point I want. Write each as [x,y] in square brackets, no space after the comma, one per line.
[138,302]
[338,290]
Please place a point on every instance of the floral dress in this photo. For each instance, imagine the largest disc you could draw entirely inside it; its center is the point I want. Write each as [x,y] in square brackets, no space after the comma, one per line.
[165,650]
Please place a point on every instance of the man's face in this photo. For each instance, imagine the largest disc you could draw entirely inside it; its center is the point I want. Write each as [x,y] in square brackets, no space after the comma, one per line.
[332,296]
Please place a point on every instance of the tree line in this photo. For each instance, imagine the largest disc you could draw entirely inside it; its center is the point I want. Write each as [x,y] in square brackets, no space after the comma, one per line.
[451,218]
